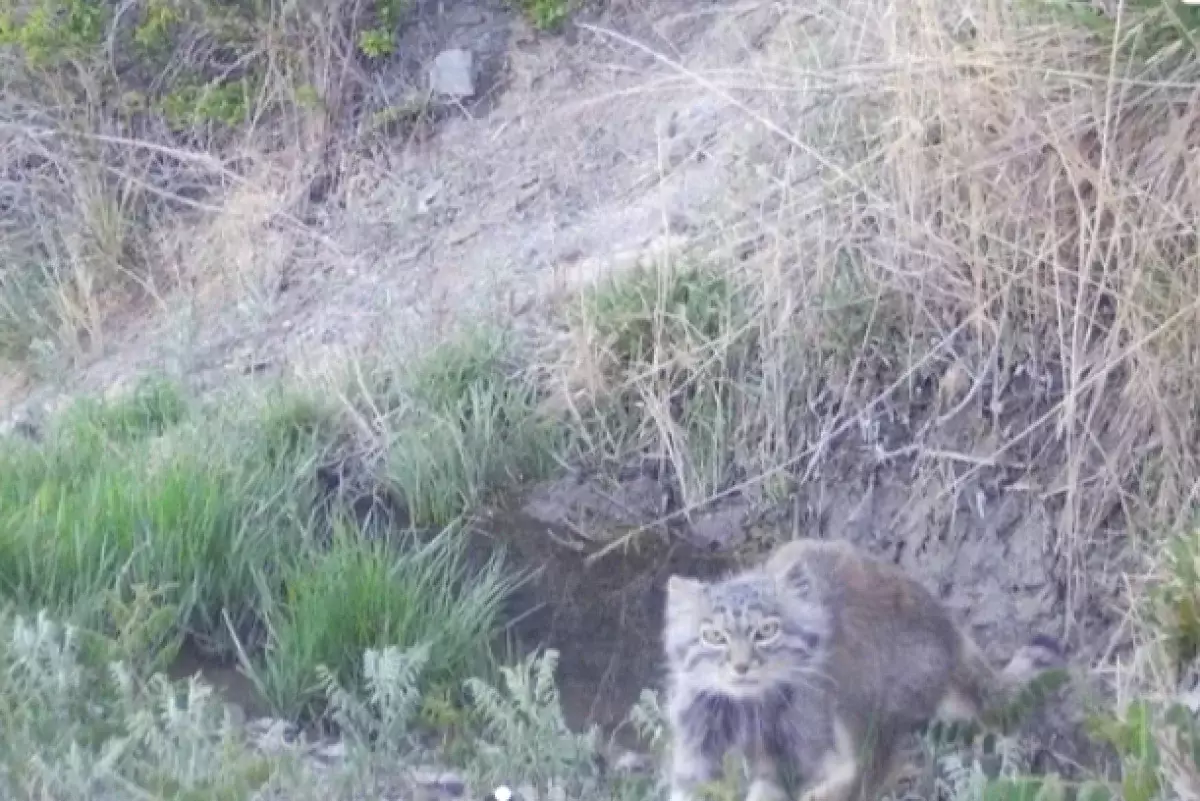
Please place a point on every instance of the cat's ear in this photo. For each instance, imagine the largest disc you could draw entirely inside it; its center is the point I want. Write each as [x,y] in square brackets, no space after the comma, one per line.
[683,592]
[794,578]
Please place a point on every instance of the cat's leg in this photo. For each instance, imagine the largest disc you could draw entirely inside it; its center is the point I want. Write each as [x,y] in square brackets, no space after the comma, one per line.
[690,767]
[765,780]
[839,772]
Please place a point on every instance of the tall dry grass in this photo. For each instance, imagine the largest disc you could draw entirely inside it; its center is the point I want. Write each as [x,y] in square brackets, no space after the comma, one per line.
[973,210]
[134,134]
[1023,197]
[975,244]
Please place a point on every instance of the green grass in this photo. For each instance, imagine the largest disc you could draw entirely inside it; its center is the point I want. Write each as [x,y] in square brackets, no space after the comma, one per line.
[464,424]
[133,492]
[547,15]
[1162,31]
[212,518]
[153,406]
[152,518]
[147,517]
[362,594]
[672,359]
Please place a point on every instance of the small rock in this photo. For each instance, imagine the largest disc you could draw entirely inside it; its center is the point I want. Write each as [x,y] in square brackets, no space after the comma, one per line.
[453,73]
[428,195]
[426,776]
[451,784]
[431,783]
[19,426]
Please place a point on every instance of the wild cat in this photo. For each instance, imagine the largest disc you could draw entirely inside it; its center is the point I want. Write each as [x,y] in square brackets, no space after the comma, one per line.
[817,663]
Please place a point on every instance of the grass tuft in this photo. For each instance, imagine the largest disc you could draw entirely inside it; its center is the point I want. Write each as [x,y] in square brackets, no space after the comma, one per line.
[361,595]
[660,360]
[132,492]
[463,423]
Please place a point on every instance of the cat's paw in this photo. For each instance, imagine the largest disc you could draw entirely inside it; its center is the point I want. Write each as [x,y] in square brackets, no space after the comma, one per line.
[819,793]
[765,791]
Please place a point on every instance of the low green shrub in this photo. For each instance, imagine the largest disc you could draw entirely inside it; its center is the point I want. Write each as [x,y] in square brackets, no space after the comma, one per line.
[78,729]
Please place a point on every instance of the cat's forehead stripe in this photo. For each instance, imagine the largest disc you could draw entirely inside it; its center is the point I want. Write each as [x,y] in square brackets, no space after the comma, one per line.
[739,595]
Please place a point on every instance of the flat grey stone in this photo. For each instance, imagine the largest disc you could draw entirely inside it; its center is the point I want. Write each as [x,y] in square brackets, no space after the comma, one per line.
[453,73]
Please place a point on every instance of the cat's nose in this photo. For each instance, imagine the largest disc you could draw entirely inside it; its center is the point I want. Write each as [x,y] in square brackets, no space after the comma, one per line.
[741,668]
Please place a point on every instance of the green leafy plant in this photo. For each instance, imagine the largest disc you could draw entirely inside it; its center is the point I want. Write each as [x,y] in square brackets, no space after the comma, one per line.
[525,738]
[382,721]
[54,31]
[72,729]
[546,15]
[649,720]
[376,43]
[224,102]
[153,32]
[141,628]
[361,594]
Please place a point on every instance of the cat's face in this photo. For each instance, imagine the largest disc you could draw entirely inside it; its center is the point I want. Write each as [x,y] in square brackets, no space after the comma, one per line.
[745,636]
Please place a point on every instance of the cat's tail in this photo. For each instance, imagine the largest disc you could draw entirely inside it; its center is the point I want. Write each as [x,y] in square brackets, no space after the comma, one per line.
[1000,698]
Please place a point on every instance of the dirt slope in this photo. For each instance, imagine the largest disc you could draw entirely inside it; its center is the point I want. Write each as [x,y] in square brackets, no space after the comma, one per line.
[581,151]
[585,152]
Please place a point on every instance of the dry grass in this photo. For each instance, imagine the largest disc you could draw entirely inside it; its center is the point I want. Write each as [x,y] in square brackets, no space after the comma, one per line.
[978,210]
[134,135]
[1003,202]
[1028,206]
[1003,224]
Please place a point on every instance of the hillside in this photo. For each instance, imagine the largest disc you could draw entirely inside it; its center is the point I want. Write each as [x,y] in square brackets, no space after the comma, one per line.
[457,327]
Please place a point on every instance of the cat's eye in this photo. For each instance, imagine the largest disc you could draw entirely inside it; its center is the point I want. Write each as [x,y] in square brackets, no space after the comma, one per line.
[767,632]
[712,637]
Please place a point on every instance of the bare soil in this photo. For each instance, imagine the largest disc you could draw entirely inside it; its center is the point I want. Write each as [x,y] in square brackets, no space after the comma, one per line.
[580,152]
